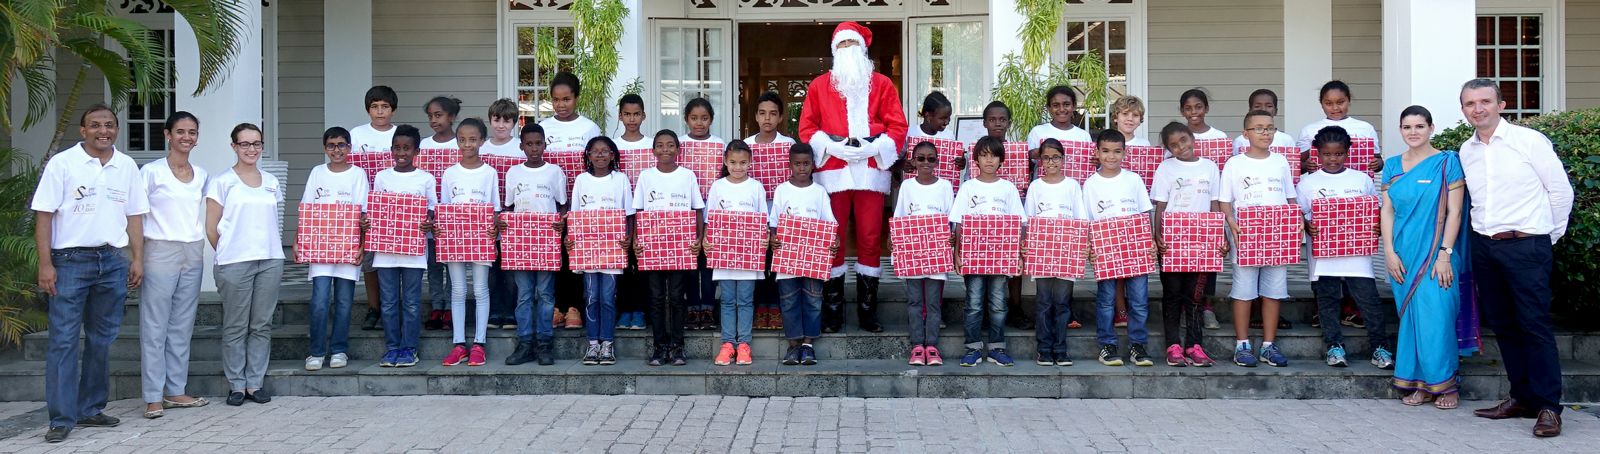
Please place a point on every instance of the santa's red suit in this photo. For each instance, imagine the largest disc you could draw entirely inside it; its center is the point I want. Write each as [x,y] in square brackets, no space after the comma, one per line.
[858,132]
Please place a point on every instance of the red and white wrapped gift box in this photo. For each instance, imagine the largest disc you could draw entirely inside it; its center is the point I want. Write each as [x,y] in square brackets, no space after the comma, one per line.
[1292,154]
[394,223]
[1143,161]
[530,242]
[435,161]
[1122,247]
[921,245]
[737,240]
[570,162]
[328,233]
[462,232]
[1269,235]
[705,159]
[372,162]
[1217,150]
[1078,160]
[1346,226]
[991,244]
[1013,169]
[1057,247]
[769,164]
[1362,149]
[634,161]
[803,245]
[595,236]
[949,150]
[1194,242]
[501,164]
[666,238]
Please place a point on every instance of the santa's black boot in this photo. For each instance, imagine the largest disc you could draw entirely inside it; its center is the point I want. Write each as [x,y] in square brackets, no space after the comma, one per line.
[833,305]
[867,304]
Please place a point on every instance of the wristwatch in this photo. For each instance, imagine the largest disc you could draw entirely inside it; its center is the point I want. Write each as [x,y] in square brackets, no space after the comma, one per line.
[1447,251]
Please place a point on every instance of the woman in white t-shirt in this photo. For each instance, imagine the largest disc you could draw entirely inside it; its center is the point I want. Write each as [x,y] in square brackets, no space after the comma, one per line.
[470,181]
[174,234]
[333,284]
[242,224]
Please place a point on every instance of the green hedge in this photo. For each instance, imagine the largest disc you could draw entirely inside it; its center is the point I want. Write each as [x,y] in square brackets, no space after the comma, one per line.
[1576,280]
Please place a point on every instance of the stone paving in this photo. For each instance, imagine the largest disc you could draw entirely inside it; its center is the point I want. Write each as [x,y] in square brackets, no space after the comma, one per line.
[668,424]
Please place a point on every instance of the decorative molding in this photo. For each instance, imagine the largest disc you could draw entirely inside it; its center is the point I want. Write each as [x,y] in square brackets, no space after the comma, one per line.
[142,7]
[539,5]
[860,4]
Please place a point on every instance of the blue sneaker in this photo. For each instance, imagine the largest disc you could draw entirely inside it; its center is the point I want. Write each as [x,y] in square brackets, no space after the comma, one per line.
[1382,358]
[1243,357]
[388,358]
[1335,356]
[1273,357]
[406,358]
[999,356]
[972,358]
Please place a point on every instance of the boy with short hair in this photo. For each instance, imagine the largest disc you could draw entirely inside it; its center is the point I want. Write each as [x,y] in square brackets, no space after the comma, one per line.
[1334,277]
[374,137]
[1108,193]
[400,276]
[333,284]
[540,187]
[502,141]
[1258,177]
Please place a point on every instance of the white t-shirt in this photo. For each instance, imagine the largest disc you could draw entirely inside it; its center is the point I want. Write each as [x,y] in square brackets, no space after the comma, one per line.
[807,202]
[709,139]
[177,209]
[917,199]
[979,198]
[429,144]
[91,201]
[645,142]
[1323,185]
[1186,187]
[1037,135]
[327,186]
[777,137]
[748,195]
[1248,182]
[512,148]
[1280,139]
[1137,141]
[366,139]
[416,182]
[248,229]
[915,132]
[1352,126]
[463,185]
[568,135]
[1213,133]
[1055,200]
[540,189]
[1120,195]
[675,191]
[610,192]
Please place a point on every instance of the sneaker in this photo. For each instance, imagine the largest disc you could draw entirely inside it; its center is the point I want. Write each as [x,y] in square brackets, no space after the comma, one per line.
[808,355]
[1109,356]
[508,323]
[1354,321]
[547,352]
[1273,357]
[999,356]
[1316,320]
[57,434]
[456,356]
[1140,357]
[339,360]
[972,358]
[1335,356]
[389,358]
[1044,359]
[1070,325]
[657,357]
[406,358]
[574,319]
[494,322]
[638,320]
[1382,358]
[99,420]
[372,323]
[792,357]
[1175,356]
[1243,357]
[524,353]
[742,355]
[313,363]
[724,355]
[1062,359]
[1198,357]
[608,353]
[1121,320]
[1210,319]
[476,356]
[591,356]
[933,356]
[919,357]
[559,320]
[676,355]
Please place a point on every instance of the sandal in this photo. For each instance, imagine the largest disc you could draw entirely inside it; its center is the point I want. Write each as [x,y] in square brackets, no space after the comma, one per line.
[1408,400]
[196,403]
[153,414]
[1439,402]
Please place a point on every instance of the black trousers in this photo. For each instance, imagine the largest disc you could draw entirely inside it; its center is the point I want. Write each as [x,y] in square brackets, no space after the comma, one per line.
[1182,300]
[667,306]
[1513,278]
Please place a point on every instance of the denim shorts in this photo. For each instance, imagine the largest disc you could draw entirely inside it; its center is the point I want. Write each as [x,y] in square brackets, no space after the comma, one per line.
[1269,282]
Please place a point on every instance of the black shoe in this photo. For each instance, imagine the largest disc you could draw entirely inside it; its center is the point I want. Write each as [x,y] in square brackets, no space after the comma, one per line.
[867,304]
[372,321]
[261,396]
[235,398]
[676,355]
[833,305]
[57,434]
[657,357]
[1283,323]
[100,420]
[547,355]
[1140,357]
[526,352]
[808,355]
[1316,321]
[792,357]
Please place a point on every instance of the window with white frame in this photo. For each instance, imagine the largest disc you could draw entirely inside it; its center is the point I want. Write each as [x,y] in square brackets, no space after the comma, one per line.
[532,82]
[948,61]
[1107,39]
[693,62]
[144,119]
[1509,51]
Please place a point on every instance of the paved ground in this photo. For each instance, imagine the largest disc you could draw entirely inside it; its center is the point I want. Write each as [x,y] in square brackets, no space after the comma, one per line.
[658,424]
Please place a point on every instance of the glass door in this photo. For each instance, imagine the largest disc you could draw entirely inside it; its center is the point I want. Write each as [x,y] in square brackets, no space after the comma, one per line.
[948,56]
[693,60]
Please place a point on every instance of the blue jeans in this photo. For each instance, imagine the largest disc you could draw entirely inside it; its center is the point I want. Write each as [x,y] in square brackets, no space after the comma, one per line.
[1138,310]
[702,290]
[400,290]
[738,310]
[1055,310]
[990,289]
[535,289]
[91,288]
[338,292]
[923,309]
[801,301]
[600,306]
[1330,292]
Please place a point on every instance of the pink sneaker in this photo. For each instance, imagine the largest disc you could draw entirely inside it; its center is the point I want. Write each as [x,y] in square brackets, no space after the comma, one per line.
[1198,358]
[456,356]
[918,357]
[1175,356]
[932,353]
[477,357]
[725,355]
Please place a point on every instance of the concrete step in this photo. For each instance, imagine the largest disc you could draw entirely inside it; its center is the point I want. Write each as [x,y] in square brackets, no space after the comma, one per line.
[24,381]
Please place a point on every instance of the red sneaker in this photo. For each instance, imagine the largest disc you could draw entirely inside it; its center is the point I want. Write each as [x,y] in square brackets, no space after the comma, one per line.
[477,357]
[1198,358]
[1175,356]
[1121,320]
[574,319]
[725,355]
[457,354]
[1074,325]
[918,356]
[932,354]
[743,355]
[559,320]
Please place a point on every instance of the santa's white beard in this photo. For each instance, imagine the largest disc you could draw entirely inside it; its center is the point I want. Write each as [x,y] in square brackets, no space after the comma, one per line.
[852,77]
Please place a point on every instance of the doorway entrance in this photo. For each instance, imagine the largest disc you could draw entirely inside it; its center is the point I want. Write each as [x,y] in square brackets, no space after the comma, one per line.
[785,57]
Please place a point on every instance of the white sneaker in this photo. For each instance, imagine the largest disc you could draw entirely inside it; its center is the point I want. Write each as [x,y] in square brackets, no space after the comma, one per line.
[339,360]
[313,363]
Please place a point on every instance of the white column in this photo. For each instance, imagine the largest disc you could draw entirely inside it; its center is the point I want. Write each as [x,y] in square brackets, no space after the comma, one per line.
[1307,60]
[1428,52]
[633,62]
[346,33]
[34,141]
[233,98]
[1004,21]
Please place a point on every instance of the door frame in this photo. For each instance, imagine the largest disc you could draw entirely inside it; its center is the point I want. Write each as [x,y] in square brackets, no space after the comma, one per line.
[911,103]
[653,71]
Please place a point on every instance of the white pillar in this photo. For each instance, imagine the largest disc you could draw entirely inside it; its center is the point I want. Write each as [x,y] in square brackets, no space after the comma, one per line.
[34,141]
[633,61]
[233,98]
[1307,60]
[346,33]
[1428,52]
[1004,21]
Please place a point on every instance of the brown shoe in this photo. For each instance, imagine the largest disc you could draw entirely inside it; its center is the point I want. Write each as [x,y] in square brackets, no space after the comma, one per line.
[1549,424]
[1508,408]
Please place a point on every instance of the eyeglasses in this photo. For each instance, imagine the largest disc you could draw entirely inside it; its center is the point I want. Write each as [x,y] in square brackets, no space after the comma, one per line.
[1053,158]
[934,159]
[337,146]
[1268,130]
[249,144]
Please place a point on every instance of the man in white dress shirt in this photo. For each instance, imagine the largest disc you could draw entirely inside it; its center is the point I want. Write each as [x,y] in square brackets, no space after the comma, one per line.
[1520,201]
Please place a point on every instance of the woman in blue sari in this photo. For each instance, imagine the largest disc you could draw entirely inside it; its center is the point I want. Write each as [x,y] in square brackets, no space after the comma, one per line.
[1424,192]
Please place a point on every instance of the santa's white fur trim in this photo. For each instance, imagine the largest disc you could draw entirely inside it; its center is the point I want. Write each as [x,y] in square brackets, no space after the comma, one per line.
[844,35]
[837,271]
[871,271]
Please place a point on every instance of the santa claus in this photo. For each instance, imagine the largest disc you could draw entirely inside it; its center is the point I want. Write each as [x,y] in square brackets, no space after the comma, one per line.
[852,117]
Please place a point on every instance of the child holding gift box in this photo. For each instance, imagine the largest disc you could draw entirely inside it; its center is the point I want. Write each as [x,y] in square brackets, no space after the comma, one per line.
[1127,113]
[1332,278]
[1053,195]
[600,187]
[1061,101]
[927,194]
[535,186]
[986,194]
[698,115]
[374,137]
[400,276]
[442,111]
[1258,177]
[631,293]
[1195,104]
[996,121]
[568,131]
[769,116]
[503,140]
[801,297]
[935,113]
[1265,100]
[1187,183]
[1108,193]
[736,192]
[333,284]
[671,187]
[469,181]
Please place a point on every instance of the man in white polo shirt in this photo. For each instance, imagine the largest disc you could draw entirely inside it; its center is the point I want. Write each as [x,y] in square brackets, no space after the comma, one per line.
[1520,201]
[88,204]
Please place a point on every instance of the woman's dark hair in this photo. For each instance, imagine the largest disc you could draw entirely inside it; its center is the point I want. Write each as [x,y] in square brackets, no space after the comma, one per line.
[408,131]
[989,146]
[451,106]
[568,79]
[1418,110]
[475,122]
[1059,90]
[772,97]
[1329,136]
[1052,144]
[172,120]
[933,102]
[1194,93]
[997,105]
[1335,85]
[736,145]
[589,147]
[1262,92]
[668,133]
[242,127]
[1172,129]
[336,131]
[699,102]
[631,98]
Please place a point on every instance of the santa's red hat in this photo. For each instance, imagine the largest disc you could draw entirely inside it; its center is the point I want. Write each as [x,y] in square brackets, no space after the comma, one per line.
[851,31]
